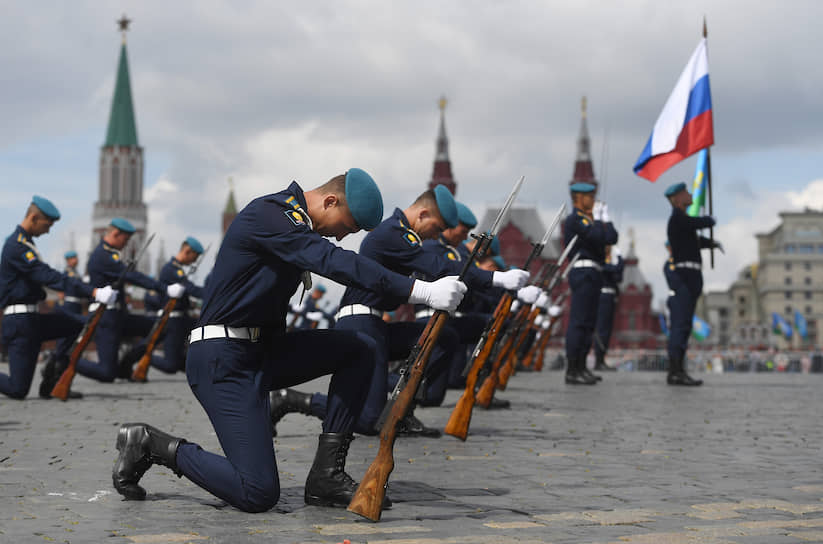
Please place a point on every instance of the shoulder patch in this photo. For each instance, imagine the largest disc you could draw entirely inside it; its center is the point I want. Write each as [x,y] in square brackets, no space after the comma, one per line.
[585,221]
[180,272]
[295,217]
[115,257]
[451,256]
[411,238]
[30,256]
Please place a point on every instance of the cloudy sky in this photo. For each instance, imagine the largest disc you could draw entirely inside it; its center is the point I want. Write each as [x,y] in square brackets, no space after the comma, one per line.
[267,92]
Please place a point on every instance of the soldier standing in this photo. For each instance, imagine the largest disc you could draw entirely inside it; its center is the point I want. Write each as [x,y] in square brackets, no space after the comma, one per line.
[22,277]
[239,351]
[687,278]
[612,277]
[590,221]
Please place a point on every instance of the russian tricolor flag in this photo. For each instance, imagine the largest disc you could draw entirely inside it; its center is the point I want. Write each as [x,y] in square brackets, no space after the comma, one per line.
[685,124]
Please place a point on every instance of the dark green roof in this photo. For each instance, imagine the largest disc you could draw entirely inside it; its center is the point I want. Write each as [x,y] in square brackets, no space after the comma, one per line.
[122,128]
[231,207]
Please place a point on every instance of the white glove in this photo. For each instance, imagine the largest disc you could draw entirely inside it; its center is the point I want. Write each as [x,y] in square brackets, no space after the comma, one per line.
[515,306]
[604,213]
[542,301]
[443,294]
[528,294]
[546,323]
[314,316]
[616,254]
[555,311]
[597,210]
[510,279]
[175,290]
[538,321]
[105,295]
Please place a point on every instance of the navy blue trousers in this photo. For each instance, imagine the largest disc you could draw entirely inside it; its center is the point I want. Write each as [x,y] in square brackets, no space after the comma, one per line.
[232,379]
[681,309]
[468,327]
[175,344]
[22,335]
[393,341]
[585,284]
[605,322]
[112,328]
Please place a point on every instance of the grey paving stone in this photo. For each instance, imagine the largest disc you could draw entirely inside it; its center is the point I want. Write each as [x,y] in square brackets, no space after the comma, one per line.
[630,460]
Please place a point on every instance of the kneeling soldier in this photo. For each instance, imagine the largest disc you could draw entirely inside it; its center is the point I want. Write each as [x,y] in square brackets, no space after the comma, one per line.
[240,351]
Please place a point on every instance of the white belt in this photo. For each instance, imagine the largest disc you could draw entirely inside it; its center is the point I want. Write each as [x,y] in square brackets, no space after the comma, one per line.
[20,309]
[428,312]
[608,290]
[221,331]
[357,309]
[586,263]
[689,264]
[171,314]
[94,305]
[76,300]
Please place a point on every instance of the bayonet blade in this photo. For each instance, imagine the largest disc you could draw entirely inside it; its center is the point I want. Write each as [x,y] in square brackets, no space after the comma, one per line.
[498,222]
[554,224]
[566,251]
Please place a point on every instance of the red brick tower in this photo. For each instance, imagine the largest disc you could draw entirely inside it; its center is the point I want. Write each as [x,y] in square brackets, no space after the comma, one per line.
[442,174]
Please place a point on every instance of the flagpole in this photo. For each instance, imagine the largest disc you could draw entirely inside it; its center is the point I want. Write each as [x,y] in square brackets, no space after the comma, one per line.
[709,172]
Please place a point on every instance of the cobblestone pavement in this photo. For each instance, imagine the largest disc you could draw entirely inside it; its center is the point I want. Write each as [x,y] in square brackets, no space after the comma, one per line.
[627,461]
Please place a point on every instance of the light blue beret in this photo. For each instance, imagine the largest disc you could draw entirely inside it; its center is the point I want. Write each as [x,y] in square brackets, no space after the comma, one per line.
[465,215]
[446,205]
[123,225]
[501,264]
[494,246]
[582,187]
[320,287]
[194,244]
[70,254]
[364,199]
[45,206]
[674,189]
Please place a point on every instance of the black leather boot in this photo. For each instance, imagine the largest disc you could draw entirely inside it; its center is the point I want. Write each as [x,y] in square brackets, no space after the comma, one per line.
[677,374]
[574,374]
[124,367]
[411,426]
[498,404]
[328,484]
[140,447]
[287,401]
[600,363]
[589,374]
[51,373]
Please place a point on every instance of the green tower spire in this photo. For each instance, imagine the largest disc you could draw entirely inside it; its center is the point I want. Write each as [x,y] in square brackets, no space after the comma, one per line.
[122,129]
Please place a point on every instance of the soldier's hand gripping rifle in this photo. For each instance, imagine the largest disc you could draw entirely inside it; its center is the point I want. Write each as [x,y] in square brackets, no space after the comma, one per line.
[368,498]
[521,330]
[540,343]
[142,367]
[63,386]
[489,384]
[458,424]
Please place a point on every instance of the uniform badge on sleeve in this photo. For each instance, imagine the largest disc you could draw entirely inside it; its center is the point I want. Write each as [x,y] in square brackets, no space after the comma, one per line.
[451,256]
[30,256]
[115,257]
[295,217]
[411,238]
[180,272]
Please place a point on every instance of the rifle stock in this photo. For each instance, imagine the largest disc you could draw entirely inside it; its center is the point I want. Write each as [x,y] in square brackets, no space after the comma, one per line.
[63,386]
[460,418]
[507,370]
[368,498]
[142,368]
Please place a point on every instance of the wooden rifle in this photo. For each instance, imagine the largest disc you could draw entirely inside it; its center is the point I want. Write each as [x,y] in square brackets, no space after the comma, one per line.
[63,386]
[492,379]
[460,418]
[539,344]
[142,367]
[368,498]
